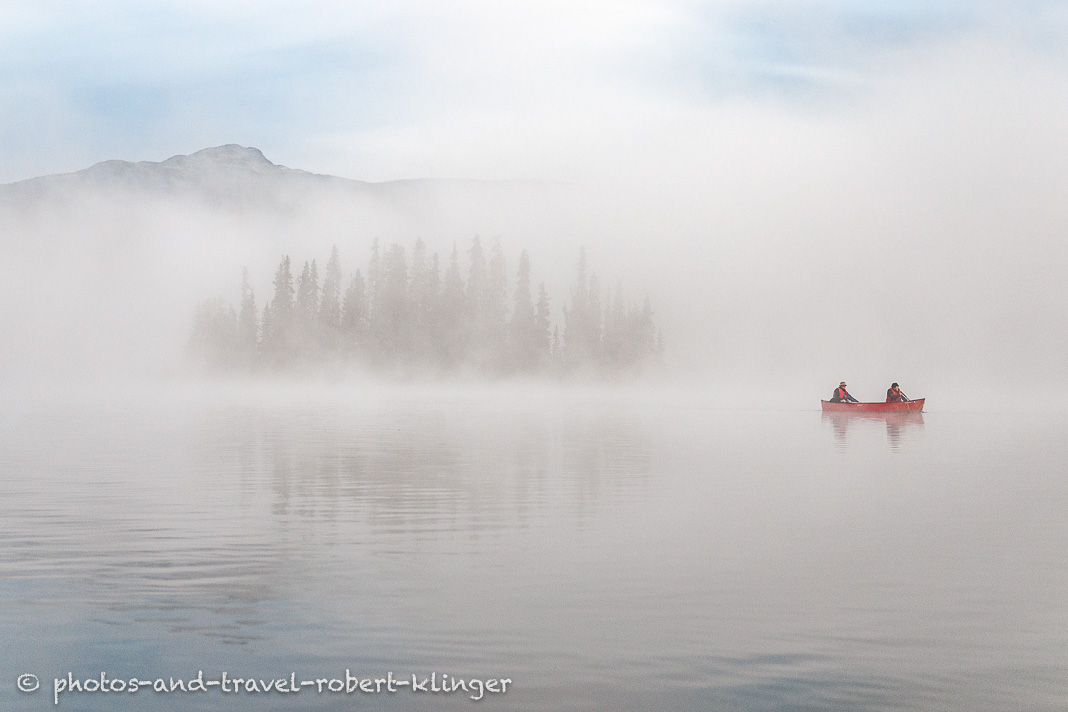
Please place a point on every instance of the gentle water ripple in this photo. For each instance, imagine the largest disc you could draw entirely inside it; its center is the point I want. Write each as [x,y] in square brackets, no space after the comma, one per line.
[622,556]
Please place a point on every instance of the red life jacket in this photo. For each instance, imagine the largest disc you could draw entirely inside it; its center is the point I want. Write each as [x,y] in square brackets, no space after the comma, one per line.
[893,395]
[840,393]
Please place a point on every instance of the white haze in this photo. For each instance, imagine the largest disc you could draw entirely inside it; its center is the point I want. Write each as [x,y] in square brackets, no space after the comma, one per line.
[911,229]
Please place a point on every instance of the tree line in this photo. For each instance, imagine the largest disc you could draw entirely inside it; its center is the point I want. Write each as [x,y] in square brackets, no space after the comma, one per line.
[406,313]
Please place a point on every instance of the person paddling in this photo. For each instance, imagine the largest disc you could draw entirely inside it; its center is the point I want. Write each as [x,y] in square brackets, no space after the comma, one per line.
[894,394]
[841,395]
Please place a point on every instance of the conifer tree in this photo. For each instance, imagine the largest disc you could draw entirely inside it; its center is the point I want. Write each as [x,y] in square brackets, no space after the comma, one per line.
[247,320]
[419,303]
[578,350]
[452,321]
[556,355]
[391,325]
[523,325]
[374,277]
[432,306]
[354,325]
[306,312]
[476,284]
[330,303]
[280,347]
[267,334]
[541,337]
[614,342]
[417,316]
[494,310]
[307,301]
[594,326]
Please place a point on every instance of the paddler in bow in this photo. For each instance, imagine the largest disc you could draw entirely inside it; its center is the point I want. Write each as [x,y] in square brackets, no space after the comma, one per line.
[894,394]
[841,395]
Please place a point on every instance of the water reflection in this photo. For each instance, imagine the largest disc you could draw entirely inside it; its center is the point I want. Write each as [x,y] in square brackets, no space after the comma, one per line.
[411,471]
[202,523]
[629,557]
[900,427]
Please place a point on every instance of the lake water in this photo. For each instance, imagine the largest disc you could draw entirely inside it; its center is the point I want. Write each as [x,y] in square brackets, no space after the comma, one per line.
[602,552]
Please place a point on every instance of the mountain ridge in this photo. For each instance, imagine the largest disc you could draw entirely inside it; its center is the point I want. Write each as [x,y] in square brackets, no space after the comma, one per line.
[232,159]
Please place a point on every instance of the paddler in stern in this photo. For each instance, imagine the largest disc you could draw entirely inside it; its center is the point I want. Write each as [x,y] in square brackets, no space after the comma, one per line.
[841,395]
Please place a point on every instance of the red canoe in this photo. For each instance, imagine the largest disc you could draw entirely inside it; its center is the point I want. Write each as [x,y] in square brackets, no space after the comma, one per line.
[912,406]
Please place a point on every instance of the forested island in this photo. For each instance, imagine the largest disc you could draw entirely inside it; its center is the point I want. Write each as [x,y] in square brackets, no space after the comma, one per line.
[403,315]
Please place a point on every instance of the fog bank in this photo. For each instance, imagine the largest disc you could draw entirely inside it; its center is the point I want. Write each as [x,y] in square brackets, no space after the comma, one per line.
[911,231]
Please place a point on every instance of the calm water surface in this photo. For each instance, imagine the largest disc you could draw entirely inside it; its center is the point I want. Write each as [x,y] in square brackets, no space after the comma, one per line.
[602,552]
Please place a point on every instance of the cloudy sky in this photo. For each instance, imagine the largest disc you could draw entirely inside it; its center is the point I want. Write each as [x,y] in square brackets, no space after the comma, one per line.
[485,89]
[889,172]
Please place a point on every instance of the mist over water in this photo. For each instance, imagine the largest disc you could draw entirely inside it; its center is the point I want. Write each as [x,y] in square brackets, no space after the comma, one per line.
[806,195]
[912,234]
[600,550]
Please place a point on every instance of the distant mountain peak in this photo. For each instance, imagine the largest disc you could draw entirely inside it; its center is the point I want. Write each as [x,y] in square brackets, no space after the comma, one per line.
[231,155]
[231,172]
